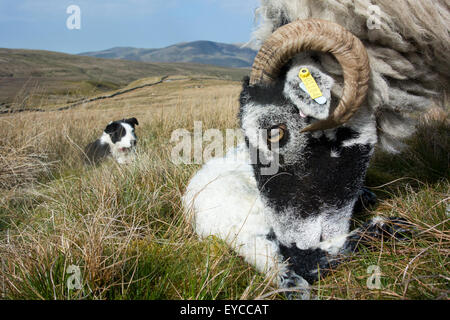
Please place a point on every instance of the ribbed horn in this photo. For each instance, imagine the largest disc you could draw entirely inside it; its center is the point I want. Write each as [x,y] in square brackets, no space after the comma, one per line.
[324,36]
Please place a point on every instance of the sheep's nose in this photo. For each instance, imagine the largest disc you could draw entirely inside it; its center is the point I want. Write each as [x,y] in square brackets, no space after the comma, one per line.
[133,143]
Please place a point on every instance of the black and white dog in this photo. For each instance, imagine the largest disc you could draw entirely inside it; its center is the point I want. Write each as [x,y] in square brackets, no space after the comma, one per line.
[117,141]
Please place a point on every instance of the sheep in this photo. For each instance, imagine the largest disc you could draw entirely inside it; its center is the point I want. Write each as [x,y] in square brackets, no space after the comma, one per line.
[294,222]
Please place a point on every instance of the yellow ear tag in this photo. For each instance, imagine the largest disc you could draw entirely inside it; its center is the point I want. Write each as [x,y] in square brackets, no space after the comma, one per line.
[310,84]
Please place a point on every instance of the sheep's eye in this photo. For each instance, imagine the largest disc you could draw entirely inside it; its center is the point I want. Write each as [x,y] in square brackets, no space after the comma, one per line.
[276,133]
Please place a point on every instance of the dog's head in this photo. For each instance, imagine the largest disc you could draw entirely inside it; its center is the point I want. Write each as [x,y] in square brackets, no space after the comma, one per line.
[121,137]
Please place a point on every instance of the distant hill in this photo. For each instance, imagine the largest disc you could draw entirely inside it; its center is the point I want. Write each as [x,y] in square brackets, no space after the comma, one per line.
[22,71]
[205,52]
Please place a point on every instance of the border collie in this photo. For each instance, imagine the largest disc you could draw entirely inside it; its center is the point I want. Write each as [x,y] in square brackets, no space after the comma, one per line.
[117,141]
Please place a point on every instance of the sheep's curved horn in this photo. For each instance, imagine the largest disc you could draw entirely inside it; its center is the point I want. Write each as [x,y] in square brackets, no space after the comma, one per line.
[323,36]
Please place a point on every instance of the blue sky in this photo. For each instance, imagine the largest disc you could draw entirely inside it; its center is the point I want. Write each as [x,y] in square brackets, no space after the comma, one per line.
[41,24]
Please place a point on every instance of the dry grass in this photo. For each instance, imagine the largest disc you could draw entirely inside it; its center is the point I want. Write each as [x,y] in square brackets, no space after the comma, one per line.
[124,228]
[21,166]
[22,160]
[415,269]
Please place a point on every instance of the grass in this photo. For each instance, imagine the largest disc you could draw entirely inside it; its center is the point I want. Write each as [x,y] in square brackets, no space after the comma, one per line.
[123,226]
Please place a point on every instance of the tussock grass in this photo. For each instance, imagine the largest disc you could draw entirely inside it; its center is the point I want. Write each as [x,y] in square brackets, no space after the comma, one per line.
[427,159]
[22,161]
[413,269]
[124,227]
[21,166]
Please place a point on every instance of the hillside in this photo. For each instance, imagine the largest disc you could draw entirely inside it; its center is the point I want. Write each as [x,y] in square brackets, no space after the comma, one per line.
[55,75]
[206,52]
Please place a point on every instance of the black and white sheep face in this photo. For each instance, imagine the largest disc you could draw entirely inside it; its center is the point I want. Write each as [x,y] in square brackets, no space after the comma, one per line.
[316,173]
[310,198]
[272,118]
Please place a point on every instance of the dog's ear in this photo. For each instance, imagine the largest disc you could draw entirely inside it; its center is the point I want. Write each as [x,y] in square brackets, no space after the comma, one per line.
[131,121]
[112,127]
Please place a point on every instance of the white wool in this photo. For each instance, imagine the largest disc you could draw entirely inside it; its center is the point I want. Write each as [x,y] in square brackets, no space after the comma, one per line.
[333,246]
[364,123]
[408,53]
[310,231]
[241,219]
[334,153]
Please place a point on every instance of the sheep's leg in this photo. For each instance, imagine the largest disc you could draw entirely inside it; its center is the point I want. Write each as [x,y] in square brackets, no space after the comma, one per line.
[312,263]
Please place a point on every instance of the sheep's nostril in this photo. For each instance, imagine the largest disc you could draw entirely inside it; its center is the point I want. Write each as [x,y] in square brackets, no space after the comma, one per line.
[133,143]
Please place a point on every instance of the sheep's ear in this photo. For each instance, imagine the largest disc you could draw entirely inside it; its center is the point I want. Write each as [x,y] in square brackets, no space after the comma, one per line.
[131,121]
[316,108]
[112,127]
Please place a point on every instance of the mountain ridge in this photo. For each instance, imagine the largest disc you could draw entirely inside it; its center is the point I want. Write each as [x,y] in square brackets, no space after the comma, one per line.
[201,51]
